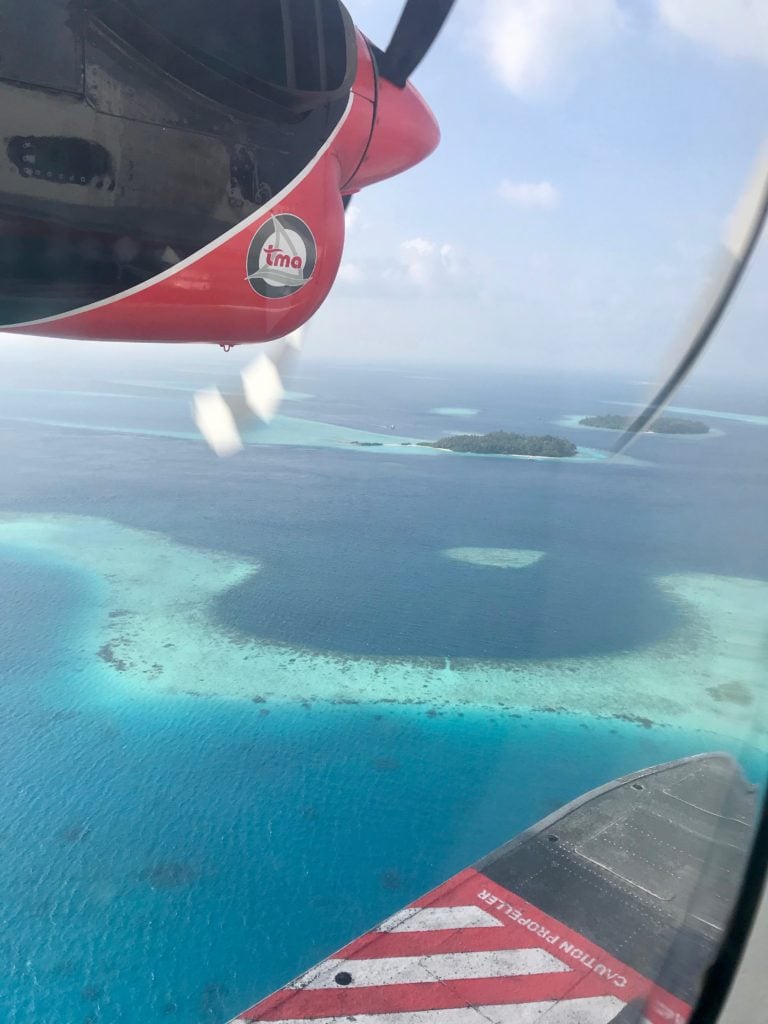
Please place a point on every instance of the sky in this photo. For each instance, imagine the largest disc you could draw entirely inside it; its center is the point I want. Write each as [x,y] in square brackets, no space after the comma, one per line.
[591,152]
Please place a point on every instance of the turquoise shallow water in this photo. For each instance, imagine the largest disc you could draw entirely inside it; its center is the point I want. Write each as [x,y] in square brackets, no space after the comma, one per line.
[180,858]
[168,857]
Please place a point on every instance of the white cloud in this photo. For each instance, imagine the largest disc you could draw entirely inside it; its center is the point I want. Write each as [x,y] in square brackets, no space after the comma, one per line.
[427,263]
[351,273]
[407,269]
[353,216]
[529,43]
[451,260]
[540,195]
[736,28]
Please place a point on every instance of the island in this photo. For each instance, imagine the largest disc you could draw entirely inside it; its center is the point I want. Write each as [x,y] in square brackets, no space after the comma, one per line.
[663,425]
[501,442]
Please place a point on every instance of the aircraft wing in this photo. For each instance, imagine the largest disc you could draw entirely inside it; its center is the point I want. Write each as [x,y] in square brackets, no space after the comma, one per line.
[610,910]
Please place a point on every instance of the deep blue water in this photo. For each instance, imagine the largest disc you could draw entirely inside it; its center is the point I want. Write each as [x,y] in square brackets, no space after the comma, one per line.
[174,859]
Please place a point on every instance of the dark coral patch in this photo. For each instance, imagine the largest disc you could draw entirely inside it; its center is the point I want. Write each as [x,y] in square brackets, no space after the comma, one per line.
[106,653]
[646,723]
[72,834]
[731,693]
[169,874]
[211,1000]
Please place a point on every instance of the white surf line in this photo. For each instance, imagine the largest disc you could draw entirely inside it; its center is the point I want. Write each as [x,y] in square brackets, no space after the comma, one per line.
[434,919]
[592,1010]
[405,970]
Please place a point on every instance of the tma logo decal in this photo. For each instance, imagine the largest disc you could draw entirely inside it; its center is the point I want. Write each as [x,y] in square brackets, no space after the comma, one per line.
[281,257]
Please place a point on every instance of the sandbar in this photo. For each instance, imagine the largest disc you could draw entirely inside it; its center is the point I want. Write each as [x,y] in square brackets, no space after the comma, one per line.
[496,558]
[155,634]
[292,431]
[450,410]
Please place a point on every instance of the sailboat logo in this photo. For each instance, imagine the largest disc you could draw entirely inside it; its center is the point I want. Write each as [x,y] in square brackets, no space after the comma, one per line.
[281,257]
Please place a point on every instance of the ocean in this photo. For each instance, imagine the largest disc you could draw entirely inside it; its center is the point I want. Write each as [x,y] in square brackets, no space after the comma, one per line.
[249,707]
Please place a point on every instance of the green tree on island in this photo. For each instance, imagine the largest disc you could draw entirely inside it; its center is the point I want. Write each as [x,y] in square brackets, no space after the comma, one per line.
[500,442]
[664,425]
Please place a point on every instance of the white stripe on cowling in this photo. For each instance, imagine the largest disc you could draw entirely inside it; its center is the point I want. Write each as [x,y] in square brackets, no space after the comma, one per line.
[434,919]
[405,970]
[594,1010]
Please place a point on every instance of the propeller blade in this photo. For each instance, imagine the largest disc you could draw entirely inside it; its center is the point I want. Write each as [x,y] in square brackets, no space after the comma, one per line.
[221,419]
[263,388]
[739,243]
[417,29]
[215,420]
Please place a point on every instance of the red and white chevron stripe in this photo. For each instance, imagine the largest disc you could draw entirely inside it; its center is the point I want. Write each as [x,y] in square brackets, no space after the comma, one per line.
[468,953]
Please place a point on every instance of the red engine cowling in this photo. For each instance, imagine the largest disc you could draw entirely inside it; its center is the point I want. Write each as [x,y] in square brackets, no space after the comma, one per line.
[133,227]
